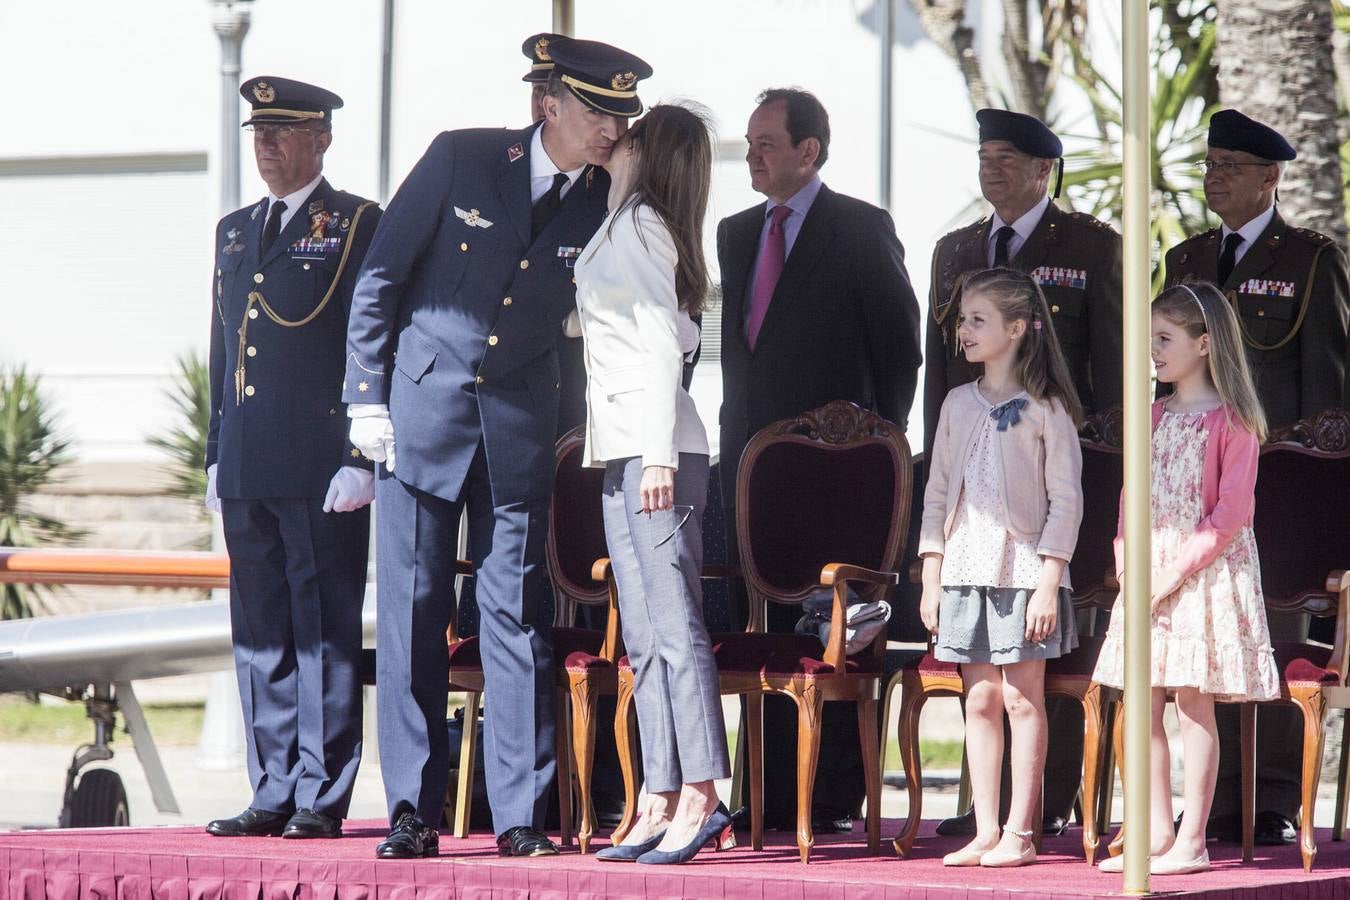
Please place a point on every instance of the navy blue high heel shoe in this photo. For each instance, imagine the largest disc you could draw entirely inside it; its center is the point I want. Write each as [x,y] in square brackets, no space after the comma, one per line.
[629,852]
[717,829]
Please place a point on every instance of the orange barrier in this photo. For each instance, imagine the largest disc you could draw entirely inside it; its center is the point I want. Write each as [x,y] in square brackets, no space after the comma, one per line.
[114,568]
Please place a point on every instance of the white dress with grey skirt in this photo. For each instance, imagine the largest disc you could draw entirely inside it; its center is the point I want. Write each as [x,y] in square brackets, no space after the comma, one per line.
[989,576]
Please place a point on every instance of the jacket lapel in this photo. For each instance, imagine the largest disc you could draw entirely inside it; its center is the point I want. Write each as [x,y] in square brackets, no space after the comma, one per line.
[1258,257]
[513,182]
[743,244]
[1037,245]
[811,242]
[298,226]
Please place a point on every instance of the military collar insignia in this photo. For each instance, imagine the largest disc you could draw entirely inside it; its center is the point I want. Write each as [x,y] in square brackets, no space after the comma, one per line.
[256,210]
[590,176]
[515,152]
[472,218]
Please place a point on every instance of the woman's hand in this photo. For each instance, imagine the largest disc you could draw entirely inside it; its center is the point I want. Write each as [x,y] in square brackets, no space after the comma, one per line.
[1042,613]
[931,600]
[657,488]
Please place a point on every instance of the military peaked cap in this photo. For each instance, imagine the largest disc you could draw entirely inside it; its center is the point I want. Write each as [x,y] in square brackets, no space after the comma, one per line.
[603,77]
[536,51]
[284,101]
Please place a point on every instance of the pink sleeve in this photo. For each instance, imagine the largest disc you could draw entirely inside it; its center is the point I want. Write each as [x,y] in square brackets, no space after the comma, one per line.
[1239,452]
[1118,545]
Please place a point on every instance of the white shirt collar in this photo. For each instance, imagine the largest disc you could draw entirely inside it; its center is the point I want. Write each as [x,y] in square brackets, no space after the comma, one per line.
[1025,224]
[1251,231]
[542,168]
[293,200]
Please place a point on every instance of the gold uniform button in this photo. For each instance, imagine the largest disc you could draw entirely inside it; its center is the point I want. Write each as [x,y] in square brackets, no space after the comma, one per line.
[1055,308]
[464,247]
[257,278]
[248,391]
[506,302]
[253,314]
[252,351]
[478,379]
[492,341]
[524,263]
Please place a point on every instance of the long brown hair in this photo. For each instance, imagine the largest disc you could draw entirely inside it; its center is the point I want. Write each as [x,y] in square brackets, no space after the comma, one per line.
[671,175]
[1198,307]
[1039,364]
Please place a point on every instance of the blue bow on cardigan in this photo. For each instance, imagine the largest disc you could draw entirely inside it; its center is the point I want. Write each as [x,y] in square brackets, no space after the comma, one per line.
[1009,413]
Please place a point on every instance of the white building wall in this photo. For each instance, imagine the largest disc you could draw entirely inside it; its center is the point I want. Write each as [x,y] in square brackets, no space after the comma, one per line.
[107,274]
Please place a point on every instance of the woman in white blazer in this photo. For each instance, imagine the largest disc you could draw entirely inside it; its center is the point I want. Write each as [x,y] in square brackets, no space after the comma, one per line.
[638,282]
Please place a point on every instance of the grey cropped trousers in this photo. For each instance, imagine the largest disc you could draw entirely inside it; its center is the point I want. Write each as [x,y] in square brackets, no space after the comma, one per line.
[656,559]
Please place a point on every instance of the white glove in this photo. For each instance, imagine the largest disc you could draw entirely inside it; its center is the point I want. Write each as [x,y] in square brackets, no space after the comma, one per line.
[572,324]
[211,500]
[352,487]
[372,433]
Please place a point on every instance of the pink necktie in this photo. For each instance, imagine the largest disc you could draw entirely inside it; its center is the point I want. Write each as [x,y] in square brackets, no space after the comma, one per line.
[767,272]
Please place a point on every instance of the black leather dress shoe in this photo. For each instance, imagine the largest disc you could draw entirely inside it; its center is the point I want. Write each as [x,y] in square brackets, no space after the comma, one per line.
[249,823]
[1053,825]
[524,841]
[409,839]
[827,823]
[306,823]
[1272,829]
[958,826]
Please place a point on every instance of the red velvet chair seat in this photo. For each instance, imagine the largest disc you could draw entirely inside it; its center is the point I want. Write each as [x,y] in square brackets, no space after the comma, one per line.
[578,647]
[782,654]
[1300,663]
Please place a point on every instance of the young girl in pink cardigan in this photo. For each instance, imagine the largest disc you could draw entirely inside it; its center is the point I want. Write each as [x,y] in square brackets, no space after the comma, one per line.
[1000,520]
[1209,622]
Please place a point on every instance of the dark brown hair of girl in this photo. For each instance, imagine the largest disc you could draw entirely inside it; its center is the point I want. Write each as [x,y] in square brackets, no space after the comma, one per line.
[672,173]
[1039,364]
[1199,308]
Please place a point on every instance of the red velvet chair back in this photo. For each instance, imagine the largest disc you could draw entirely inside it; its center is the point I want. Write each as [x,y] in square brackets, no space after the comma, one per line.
[1103,477]
[1302,522]
[832,485]
[576,529]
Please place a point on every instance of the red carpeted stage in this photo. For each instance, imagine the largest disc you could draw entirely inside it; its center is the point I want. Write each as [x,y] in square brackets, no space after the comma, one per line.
[187,864]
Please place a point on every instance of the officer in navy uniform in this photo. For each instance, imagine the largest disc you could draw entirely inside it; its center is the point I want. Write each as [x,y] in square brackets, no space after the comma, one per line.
[453,375]
[571,357]
[1291,291]
[292,492]
[1076,260]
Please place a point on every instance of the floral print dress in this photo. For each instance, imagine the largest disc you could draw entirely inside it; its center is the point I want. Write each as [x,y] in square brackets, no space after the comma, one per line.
[1211,632]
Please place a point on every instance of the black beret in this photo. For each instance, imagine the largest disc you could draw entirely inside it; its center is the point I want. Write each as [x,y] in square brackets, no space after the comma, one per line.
[536,51]
[603,77]
[1231,130]
[283,100]
[1027,133]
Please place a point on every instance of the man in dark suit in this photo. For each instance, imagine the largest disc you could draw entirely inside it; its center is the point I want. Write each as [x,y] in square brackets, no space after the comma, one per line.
[1075,258]
[816,306]
[1291,292]
[290,489]
[453,373]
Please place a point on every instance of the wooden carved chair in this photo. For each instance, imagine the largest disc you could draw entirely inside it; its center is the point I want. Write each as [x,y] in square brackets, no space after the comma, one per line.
[1302,531]
[1092,574]
[585,660]
[1302,528]
[822,502]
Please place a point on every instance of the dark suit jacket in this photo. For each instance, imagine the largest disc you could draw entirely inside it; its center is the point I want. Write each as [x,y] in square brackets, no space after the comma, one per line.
[843,323]
[282,431]
[474,309]
[1292,295]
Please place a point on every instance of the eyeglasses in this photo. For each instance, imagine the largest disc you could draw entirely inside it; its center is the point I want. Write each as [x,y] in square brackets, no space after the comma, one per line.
[677,507]
[1225,167]
[280,132]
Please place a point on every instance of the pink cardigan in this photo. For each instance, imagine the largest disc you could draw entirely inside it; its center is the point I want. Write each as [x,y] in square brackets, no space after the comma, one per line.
[1228,497]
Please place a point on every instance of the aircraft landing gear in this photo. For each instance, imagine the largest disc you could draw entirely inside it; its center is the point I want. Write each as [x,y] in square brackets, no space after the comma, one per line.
[97,798]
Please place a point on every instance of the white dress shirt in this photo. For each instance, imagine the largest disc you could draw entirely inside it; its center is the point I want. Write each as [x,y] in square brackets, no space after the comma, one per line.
[542,169]
[1023,227]
[1250,232]
[293,201]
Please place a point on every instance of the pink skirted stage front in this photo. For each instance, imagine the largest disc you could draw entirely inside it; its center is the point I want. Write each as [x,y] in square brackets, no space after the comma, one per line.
[187,864]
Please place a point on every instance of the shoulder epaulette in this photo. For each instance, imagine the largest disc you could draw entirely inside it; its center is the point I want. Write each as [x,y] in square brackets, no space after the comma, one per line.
[1316,238]
[973,226]
[1083,218]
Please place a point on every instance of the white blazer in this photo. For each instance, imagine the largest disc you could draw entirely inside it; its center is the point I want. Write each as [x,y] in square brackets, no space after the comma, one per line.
[636,337]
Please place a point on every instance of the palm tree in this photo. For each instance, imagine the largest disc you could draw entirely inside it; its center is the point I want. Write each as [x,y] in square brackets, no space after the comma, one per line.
[31,452]
[1301,103]
[186,443]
